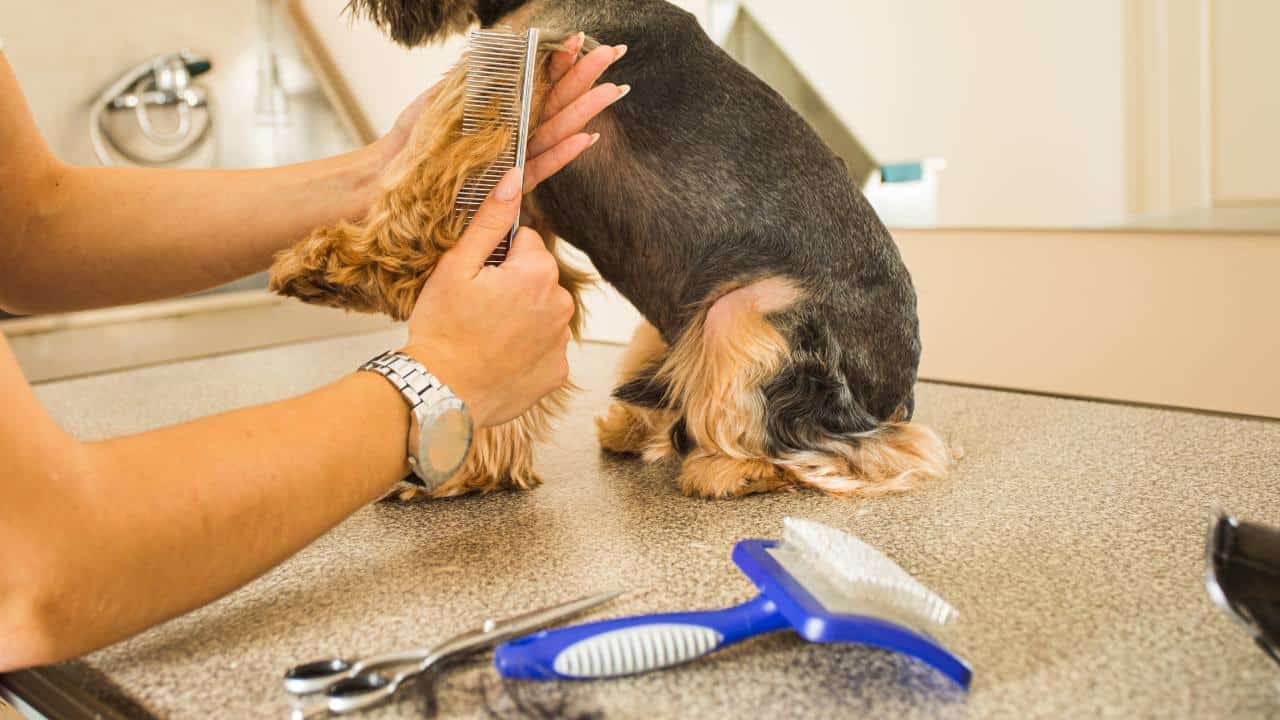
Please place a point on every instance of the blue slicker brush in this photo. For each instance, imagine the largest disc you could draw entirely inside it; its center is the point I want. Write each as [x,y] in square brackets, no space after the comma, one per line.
[822,583]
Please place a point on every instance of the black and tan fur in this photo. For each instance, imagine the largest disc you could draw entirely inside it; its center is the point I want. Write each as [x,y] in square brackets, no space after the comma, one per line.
[781,342]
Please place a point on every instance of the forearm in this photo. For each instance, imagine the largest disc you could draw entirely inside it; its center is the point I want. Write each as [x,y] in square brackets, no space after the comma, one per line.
[111,236]
[73,238]
[107,539]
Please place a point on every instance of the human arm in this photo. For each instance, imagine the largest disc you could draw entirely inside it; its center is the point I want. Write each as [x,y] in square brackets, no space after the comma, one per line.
[78,237]
[101,540]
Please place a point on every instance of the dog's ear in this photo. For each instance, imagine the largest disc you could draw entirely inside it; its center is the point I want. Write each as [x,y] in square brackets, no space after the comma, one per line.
[416,22]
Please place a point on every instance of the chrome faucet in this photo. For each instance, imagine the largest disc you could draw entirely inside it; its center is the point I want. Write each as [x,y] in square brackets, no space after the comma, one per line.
[162,81]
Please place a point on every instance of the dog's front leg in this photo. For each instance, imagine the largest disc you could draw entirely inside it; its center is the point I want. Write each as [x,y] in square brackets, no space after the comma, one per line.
[380,263]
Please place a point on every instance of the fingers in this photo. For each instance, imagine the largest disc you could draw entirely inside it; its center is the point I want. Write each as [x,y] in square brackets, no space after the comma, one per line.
[565,306]
[530,257]
[529,253]
[555,365]
[409,116]
[531,262]
[526,242]
[562,61]
[553,161]
[581,77]
[575,117]
[492,222]
[560,370]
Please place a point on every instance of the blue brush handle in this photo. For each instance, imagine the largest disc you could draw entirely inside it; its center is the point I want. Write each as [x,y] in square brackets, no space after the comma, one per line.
[625,646]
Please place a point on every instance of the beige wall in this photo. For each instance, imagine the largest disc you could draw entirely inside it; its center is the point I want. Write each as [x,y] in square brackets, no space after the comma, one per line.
[1024,100]
[1183,319]
[1245,92]
[1207,104]
[382,77]
[1055,112]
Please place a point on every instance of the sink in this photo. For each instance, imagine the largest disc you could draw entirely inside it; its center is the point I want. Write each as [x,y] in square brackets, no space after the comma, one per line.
[69,52]
[65,56]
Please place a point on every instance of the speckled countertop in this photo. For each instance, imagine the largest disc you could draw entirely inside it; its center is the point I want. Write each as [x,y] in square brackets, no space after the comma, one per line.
[1070,539]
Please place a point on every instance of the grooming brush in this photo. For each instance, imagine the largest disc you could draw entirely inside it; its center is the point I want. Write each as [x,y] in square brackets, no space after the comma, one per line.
[824,584]
[499,89]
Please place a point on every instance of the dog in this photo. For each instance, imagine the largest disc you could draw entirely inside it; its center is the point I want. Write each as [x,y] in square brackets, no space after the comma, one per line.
[781,342]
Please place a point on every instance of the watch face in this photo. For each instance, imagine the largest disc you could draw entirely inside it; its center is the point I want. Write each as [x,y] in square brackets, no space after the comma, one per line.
[444,442]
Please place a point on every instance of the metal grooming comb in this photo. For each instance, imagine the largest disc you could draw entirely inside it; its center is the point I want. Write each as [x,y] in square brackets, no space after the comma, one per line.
[499,78]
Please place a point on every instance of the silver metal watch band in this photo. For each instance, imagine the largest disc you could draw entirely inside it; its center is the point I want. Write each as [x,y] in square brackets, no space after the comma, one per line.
[429,400]
[406,374]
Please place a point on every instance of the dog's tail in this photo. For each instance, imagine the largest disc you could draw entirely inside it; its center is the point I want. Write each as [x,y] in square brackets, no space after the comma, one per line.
[417,22]
[774,391]
[824,437]
[892,457]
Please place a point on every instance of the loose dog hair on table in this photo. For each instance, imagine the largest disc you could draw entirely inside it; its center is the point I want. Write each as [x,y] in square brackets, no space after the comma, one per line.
[781,343]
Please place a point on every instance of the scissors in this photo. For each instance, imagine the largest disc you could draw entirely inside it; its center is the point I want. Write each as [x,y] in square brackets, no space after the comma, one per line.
[353,686]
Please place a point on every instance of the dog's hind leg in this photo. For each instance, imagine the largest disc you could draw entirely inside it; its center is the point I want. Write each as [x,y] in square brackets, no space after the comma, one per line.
[716,373]
[766,410]
[631,428]
[823,434]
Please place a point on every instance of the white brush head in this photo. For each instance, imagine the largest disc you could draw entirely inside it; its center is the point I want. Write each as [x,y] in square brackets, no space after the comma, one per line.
[849,576]
[499,89]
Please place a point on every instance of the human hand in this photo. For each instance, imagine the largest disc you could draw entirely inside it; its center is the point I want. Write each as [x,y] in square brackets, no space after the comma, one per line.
[573,101]
[388,147]
[496,336]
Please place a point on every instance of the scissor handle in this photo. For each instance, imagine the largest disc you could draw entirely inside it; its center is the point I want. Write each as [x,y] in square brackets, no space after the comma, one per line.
[362,691]
[361,686]
[319,675]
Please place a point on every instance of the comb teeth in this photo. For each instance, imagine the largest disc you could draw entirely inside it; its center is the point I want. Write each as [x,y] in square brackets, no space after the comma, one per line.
[499,80]
[865,581]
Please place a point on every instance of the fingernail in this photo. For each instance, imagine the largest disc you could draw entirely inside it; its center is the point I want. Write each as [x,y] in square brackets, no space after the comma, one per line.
[620,50]
[509,187]
[595,137]
[582,40]
[622,92]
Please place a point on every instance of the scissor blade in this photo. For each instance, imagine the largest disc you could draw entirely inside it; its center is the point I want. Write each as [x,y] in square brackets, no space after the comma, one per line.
[538,619]
[494,632]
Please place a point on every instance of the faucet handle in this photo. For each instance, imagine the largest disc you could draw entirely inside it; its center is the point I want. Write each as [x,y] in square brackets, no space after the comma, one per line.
[199,66]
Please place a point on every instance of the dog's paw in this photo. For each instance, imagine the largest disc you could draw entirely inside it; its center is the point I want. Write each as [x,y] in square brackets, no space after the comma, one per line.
[720,476]
[620,431]
[476,480]
[633,430]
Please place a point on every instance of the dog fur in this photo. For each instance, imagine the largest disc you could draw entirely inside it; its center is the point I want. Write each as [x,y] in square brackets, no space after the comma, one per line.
[781,342]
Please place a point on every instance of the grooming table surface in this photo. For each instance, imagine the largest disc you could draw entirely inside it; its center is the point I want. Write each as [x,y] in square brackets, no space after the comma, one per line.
[1071,539]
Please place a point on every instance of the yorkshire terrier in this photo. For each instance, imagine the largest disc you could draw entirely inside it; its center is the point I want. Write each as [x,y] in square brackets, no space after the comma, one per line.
[781,342]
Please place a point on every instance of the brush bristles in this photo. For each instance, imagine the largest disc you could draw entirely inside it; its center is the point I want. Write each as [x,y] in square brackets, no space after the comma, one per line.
[495,78]
[867,581]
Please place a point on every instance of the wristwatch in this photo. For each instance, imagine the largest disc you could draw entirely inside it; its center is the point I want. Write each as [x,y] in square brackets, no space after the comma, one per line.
[440,426]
